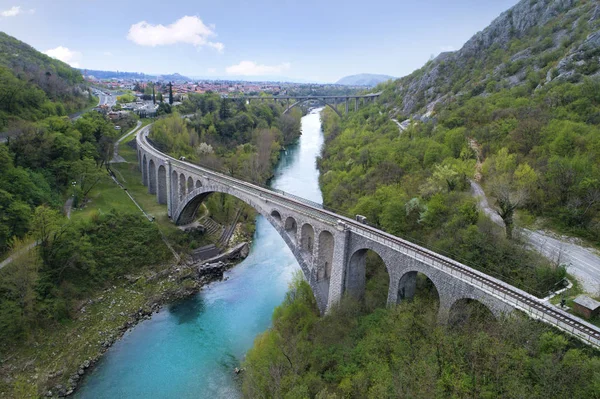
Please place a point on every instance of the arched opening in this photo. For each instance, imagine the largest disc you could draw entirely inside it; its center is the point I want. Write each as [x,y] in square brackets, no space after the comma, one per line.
[174,186]
[181,187]
[276,215]
[307,239]
[198,184]
[416,286]
[190,184]
[144,171]
[291,227]
[162,185]
[367,278]
[151,177]
[470,313]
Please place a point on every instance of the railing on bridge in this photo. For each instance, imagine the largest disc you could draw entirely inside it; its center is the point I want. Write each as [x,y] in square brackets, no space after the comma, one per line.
[511,295]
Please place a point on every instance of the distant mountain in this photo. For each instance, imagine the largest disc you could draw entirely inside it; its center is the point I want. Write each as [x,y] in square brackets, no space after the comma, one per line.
[134,75]
[363,79]
[33,85]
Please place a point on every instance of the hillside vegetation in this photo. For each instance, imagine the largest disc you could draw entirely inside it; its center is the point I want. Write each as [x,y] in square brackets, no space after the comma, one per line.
[34,86]
[403,353]
[525,90]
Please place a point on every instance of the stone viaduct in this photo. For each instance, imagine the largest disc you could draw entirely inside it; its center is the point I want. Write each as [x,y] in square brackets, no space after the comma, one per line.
[329,101]
[331,249]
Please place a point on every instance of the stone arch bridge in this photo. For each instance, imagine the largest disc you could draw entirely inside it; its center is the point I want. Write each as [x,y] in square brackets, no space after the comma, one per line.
[331,249]
[330,101]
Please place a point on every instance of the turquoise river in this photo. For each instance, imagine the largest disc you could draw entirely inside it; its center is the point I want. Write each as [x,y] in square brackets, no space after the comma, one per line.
[189,349]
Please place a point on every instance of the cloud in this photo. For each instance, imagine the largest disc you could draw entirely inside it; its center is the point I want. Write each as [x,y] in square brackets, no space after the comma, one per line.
[65,55]
[211,70]
[14,11]
[447,48]
[190,30]
[11,12]
[250,68]
[107,53]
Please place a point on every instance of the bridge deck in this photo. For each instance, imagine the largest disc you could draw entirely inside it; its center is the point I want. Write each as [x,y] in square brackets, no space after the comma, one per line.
[370,95]
[513,296]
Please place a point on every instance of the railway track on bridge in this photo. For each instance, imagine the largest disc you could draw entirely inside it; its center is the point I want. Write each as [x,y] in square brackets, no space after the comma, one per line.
[517,298]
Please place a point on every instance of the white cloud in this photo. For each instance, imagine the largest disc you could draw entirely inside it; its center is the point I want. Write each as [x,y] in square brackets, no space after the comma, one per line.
[190,30]
[14,11]
[107,53]
[65,55]
[447,48]
[11,12]
[211,70]
[250,68]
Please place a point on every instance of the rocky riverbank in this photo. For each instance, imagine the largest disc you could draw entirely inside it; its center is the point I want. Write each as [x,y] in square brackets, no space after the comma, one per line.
[107,317]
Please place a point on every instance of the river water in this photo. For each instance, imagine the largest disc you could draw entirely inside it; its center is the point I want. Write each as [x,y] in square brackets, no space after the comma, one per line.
[189,349]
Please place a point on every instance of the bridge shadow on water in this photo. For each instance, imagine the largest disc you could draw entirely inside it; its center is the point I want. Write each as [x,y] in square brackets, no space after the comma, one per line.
[188,310]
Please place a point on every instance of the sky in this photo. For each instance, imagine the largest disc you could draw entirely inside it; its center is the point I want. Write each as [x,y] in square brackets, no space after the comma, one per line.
[308,40]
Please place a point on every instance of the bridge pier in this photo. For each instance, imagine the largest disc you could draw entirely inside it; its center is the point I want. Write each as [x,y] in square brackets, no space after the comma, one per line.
[356,104]
[346,105]
[169,188]
[338,268]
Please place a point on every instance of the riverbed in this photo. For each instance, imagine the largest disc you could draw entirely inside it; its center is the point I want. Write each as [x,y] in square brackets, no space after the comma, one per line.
[189,349]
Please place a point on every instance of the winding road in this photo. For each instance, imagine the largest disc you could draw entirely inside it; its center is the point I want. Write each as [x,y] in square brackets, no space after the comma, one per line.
[116,157]
[583,263]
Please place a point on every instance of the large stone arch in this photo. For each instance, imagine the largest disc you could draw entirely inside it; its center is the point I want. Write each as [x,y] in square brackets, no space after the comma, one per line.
[186,211]
[144,170]
[322,101]
[151,177]
[497,308]
[355,277]
[162,185]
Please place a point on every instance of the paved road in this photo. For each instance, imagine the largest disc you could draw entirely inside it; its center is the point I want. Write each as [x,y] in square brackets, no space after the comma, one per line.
[116,157]
[16,255]
[401,125]
[583,263]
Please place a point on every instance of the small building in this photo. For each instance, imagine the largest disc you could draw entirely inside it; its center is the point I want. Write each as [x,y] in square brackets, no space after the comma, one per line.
[586,306]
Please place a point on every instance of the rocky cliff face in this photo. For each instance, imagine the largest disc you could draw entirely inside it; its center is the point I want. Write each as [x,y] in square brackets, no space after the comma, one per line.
[534,42]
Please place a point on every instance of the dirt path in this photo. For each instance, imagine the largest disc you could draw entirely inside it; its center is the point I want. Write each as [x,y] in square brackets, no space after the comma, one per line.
[401,125]
[16,255]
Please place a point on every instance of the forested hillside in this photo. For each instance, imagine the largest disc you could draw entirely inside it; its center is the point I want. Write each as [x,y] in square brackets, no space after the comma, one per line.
[34,86]
[516,107]
[402,352]
[526,89]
